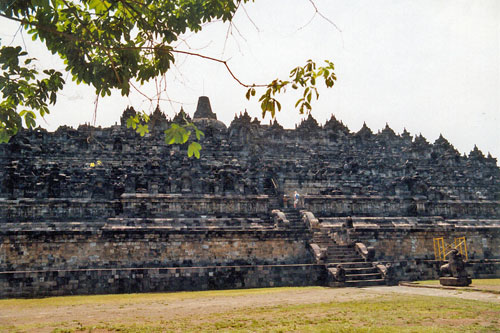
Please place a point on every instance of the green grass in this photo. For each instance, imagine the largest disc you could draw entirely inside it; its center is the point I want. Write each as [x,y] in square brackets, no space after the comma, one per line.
[384,313]
[389,314]
[135,298]
[475,282]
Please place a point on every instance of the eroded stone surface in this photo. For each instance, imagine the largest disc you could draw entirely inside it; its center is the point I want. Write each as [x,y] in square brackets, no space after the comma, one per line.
[105,198]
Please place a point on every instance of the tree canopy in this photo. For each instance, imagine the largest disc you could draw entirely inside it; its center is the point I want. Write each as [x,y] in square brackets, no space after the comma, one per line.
[109,44]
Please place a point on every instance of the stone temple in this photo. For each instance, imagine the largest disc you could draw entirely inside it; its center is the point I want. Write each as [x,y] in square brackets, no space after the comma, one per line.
[103,210]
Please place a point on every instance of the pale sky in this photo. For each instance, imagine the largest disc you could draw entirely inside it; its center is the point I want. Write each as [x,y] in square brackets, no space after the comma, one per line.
[428,66]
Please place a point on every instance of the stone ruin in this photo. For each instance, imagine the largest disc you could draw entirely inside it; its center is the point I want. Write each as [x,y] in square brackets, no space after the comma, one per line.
[103,210]
[454,272]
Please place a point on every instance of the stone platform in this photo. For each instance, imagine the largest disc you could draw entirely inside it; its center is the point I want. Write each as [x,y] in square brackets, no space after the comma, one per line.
[455,282]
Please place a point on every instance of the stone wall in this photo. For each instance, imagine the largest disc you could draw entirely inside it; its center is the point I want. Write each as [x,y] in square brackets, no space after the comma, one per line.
[329,205]
[414,270]
[120,247]
[195,205]
[132,205]
[410,243]
[246,158]
[133,280]
[33,210]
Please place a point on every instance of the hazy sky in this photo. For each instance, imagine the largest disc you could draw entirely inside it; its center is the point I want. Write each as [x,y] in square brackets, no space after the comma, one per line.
[428,66]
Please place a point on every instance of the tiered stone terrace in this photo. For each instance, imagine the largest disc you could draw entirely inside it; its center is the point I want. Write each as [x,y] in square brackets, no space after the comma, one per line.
[81,208]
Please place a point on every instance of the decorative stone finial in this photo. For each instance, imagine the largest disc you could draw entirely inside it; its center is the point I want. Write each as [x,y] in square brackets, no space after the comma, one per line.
[204,110]
[181,117]
[129,112]
[365,131]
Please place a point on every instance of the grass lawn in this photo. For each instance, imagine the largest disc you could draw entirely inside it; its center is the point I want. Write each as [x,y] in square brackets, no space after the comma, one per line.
[475,282]
[255,310]
[486,285]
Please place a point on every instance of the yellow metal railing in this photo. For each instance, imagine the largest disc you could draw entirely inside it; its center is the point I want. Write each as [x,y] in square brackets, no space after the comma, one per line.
[442,249]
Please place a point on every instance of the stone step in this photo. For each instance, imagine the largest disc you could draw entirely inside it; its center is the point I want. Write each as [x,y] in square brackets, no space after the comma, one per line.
[365,283]
[338,246]
[296,224]
[322,241]
[366,276]
[325,241]
[343,256]
[342,252]
[344,260]
[333,245]
[355,264]
[360,270]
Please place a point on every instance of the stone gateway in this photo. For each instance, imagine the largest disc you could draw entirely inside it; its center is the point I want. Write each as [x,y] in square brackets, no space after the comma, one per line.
[103,210]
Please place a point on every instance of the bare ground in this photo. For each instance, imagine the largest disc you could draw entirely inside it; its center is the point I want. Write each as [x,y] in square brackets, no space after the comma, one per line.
[156,307]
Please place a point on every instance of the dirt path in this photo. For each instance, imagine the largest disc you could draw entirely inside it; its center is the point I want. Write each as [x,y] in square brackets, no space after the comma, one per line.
[472,295]
[156,307]
[165,309]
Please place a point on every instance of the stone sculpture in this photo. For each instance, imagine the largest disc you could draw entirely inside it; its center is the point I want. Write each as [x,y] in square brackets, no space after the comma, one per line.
[454,273]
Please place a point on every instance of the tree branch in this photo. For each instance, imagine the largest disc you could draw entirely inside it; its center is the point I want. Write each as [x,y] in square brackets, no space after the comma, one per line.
[323,16]
[224,62]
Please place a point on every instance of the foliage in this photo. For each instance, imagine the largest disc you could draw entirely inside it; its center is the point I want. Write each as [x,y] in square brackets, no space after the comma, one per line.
[108,44]
[23,89]
[139,123]
[303,77]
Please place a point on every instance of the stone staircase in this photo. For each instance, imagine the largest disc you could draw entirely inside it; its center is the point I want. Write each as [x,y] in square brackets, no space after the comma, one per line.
[358,272]
[294,218]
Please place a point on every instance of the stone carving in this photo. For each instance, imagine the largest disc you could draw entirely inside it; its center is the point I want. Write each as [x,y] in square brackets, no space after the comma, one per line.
[251,159]
[368,253]
[387,272]
[337,273]
[319,253]
[279,218]
[310,220]
[453,273]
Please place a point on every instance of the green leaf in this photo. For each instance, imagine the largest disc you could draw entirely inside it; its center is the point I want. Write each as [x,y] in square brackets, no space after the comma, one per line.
[132,122]
[194,148]
[176,134]
[142,129]
[145,117]
[4,136]
[29,118]
[199,134]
